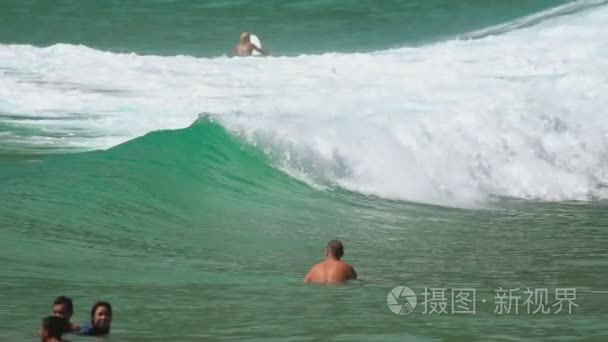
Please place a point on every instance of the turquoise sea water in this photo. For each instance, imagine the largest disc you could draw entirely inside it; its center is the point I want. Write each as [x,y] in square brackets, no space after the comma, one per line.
[211,28]
[449,144]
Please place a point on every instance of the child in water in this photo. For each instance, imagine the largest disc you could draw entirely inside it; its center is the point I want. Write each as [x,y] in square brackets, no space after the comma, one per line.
[52,329]
[101,320]
[63,308]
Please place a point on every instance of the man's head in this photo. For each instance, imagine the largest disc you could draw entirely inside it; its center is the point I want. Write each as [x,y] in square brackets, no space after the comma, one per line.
[245,37]
[334,249]
[52,327]
[62,307]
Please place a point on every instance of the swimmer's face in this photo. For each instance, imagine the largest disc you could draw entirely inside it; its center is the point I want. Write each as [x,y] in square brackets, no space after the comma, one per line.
[61,311]
[102,317]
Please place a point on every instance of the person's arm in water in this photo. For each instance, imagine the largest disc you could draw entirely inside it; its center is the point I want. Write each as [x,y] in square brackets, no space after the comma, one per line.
[353,274]
[74,327]
[308,277]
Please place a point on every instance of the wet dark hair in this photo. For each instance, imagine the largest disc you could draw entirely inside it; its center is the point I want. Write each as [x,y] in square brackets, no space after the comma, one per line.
[97,305]
[335,248]
[67,301]
[54,326]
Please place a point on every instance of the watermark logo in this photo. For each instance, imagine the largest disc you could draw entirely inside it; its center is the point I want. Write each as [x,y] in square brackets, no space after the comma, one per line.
[401,300]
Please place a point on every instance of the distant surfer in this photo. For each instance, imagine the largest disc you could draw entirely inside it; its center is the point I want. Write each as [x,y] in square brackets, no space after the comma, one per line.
[332,269]
[245,47]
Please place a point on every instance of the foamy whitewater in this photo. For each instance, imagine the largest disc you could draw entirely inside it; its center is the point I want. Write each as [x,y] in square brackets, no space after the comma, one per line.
[455,123]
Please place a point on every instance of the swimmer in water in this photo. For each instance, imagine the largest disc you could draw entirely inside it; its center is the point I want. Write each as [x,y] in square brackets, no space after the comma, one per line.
[101,320]
[63,308]
[245,47]
[332,270]
[52,329]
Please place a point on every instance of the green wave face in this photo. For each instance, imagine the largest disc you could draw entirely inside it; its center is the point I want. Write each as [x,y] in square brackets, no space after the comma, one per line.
[195,188]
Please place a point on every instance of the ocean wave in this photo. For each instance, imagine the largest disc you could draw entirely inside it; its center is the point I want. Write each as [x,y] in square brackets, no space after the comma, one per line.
[521,114]
[533,19]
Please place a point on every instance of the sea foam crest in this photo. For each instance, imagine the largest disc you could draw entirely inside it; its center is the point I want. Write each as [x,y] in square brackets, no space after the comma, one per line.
[520,114]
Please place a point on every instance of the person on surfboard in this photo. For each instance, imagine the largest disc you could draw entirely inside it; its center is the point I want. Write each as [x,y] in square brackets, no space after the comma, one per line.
[245,47]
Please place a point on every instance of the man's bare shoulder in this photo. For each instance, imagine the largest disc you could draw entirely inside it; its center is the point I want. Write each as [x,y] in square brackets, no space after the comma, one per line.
[341,264]
[350,270]
[318,266]
[315,272]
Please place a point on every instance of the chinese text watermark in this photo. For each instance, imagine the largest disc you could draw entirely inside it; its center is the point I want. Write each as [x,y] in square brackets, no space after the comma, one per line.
[402,300]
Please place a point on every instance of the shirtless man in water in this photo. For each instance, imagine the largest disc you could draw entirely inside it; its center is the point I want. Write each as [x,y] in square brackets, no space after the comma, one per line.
[245,47]
[332,270]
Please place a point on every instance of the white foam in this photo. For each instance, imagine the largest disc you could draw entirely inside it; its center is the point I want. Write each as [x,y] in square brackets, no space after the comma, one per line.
[522,114]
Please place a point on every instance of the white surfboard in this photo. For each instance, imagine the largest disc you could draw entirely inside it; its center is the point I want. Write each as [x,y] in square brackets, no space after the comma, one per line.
[257,42]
